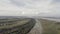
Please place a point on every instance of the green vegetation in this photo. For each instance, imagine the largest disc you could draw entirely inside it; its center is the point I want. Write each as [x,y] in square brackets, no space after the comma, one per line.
[50,27]
[16,26]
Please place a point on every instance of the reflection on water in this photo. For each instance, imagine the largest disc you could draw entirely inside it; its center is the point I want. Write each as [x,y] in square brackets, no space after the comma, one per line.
[58,20]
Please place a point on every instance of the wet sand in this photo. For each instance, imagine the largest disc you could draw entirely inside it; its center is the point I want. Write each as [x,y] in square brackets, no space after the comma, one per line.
[37,29]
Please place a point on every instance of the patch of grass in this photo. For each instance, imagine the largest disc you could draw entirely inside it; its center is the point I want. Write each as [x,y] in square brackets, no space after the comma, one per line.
[50,27]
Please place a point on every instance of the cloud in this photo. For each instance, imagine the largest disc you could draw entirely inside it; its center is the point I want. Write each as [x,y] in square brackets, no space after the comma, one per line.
[18,2]
[56,0]
[29,7]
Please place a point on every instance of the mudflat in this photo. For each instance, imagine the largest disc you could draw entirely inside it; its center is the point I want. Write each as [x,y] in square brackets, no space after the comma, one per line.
[45,26]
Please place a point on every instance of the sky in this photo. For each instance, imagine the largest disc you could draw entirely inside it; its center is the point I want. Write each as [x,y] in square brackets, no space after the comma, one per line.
[29,7]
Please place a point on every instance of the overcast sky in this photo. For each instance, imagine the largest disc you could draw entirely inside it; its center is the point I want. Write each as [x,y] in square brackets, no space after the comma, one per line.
[29,7]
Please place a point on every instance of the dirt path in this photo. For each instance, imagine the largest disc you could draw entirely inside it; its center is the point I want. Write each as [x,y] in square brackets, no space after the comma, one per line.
[37,28]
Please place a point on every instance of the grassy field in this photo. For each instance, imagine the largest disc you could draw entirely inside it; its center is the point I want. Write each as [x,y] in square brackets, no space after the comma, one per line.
[16,26]
[50,27]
